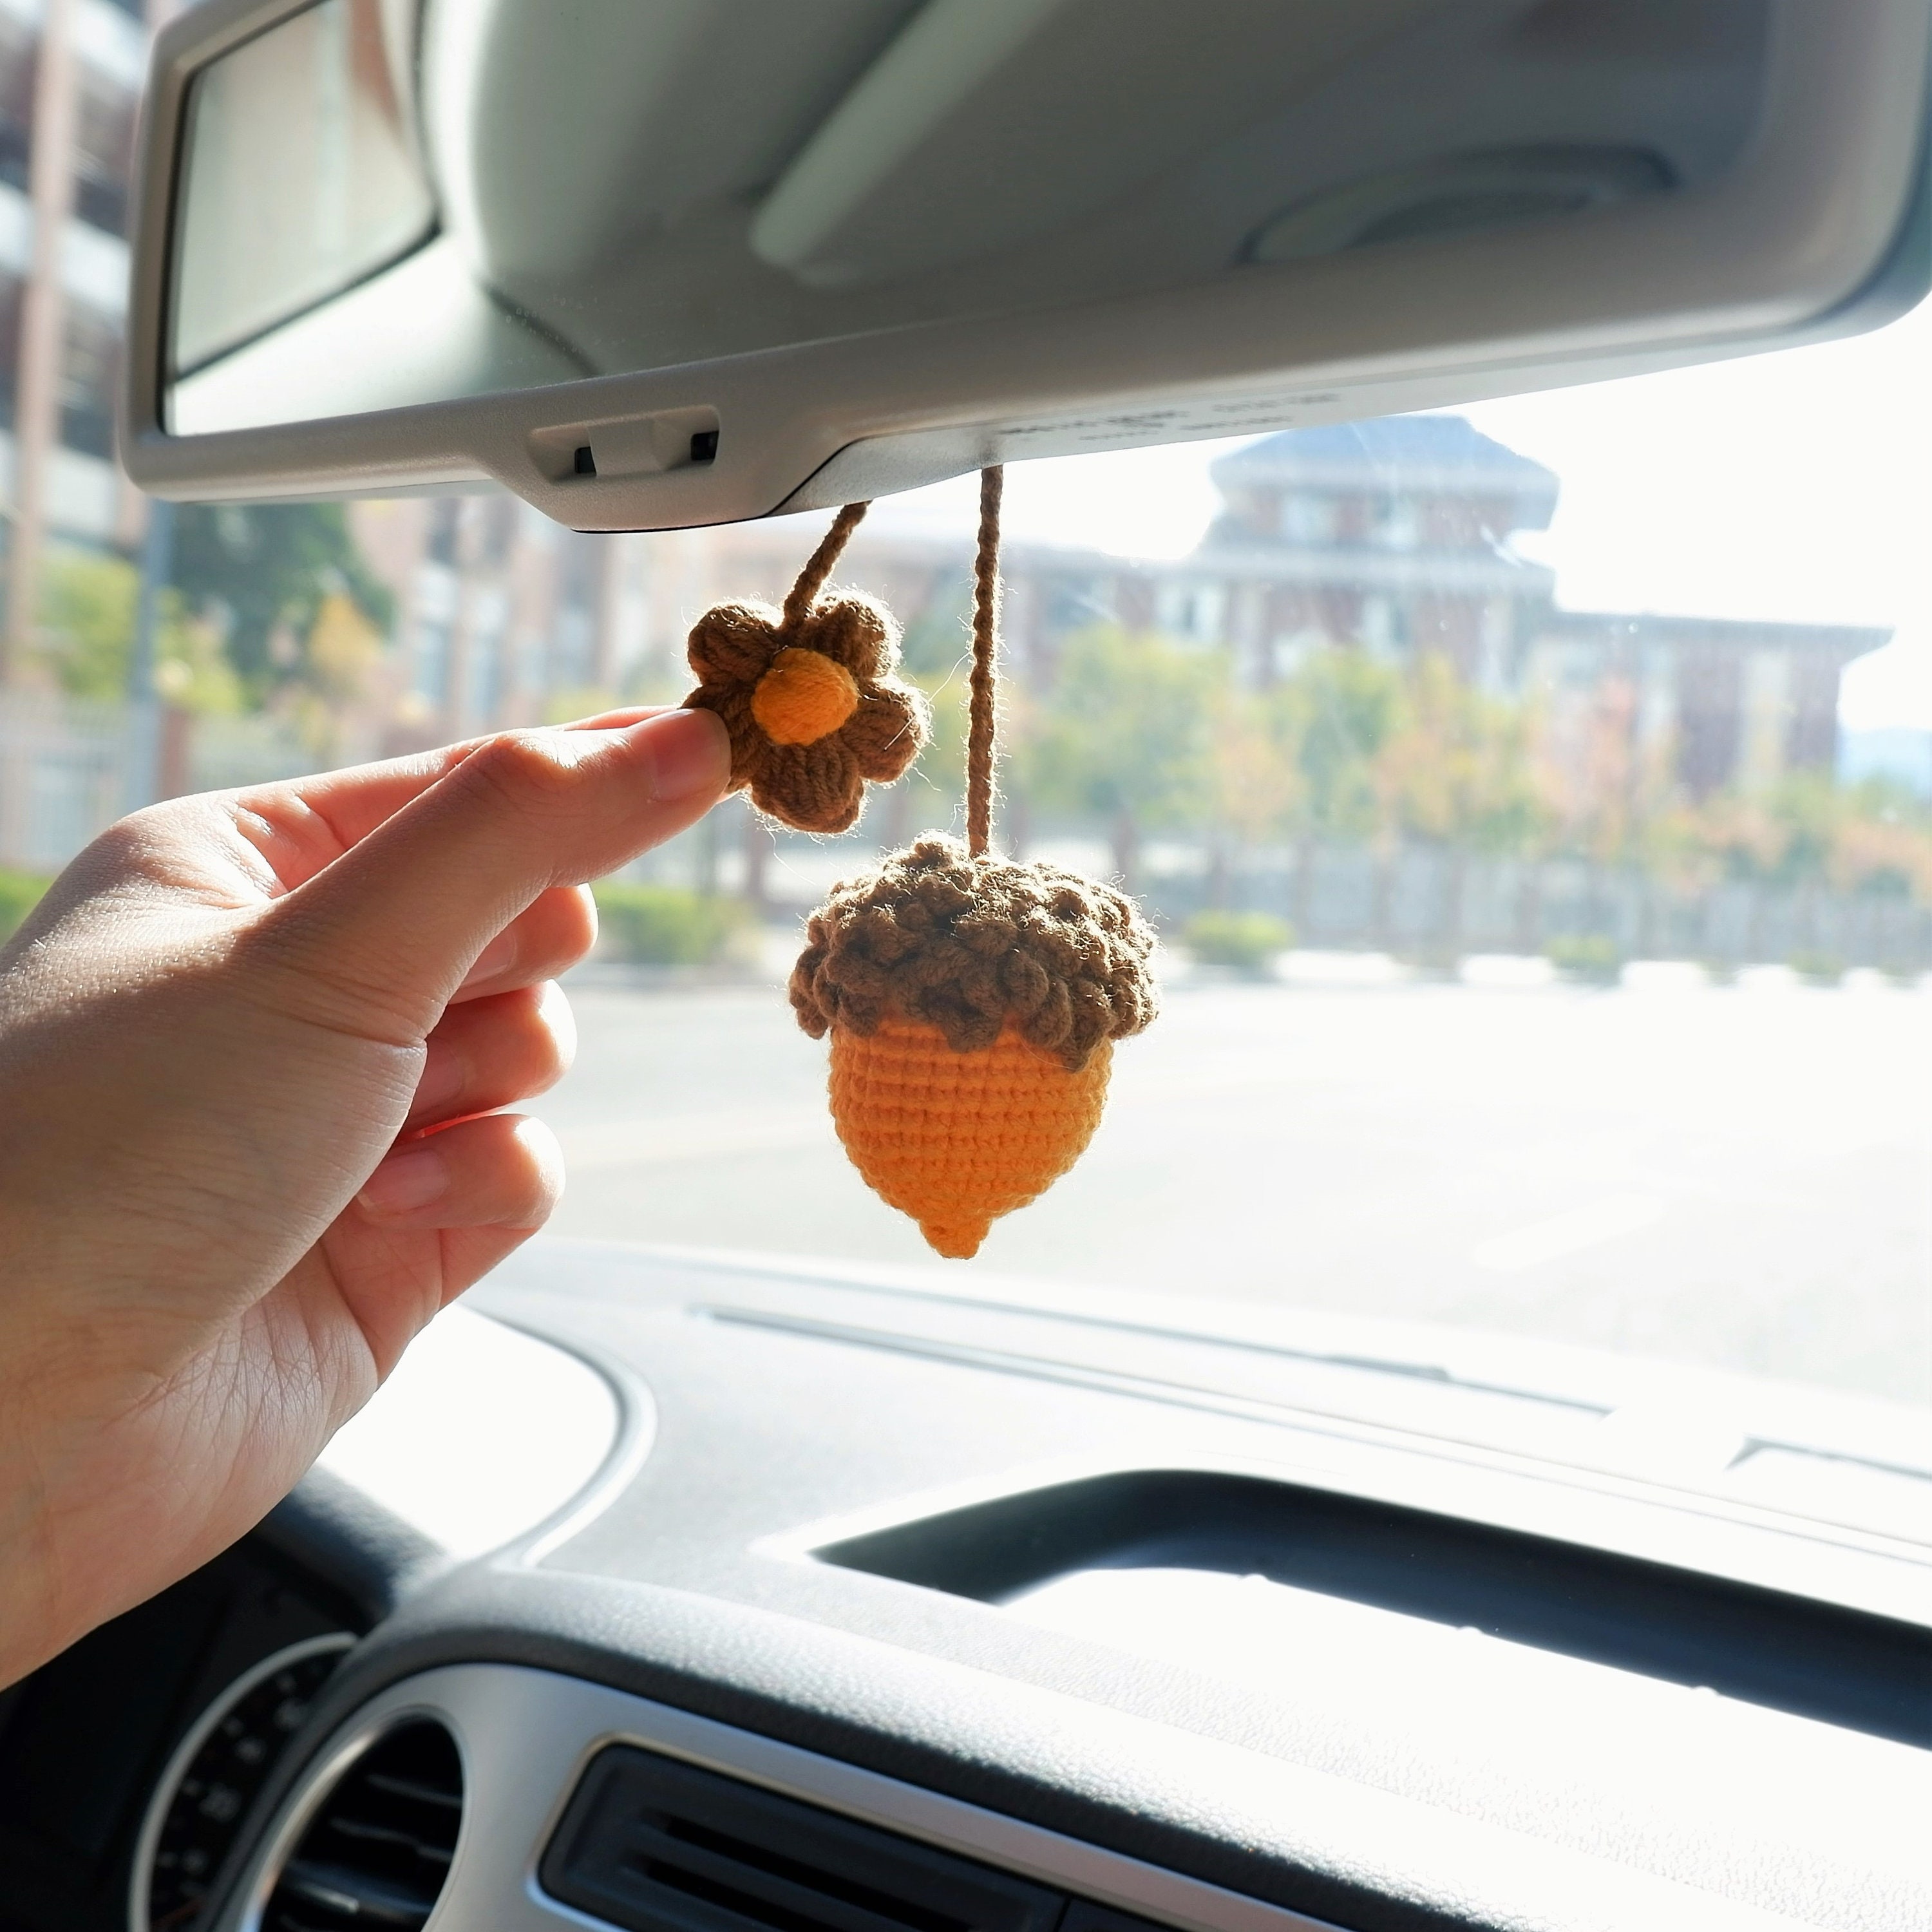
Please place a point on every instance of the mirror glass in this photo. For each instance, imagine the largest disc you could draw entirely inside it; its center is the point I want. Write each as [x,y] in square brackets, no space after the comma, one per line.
[390,201]
[299,177]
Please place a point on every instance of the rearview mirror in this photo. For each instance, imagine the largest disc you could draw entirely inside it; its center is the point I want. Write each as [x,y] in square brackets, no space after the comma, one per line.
[660,262]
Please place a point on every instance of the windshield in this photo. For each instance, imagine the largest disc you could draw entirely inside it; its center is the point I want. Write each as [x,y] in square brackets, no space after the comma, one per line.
[1536,803]
[1533,800]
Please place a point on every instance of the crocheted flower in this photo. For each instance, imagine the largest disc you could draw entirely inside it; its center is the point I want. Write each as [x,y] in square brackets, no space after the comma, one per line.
[812,706]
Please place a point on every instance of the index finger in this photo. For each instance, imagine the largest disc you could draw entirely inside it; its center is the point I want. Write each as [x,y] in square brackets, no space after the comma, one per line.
[300,825]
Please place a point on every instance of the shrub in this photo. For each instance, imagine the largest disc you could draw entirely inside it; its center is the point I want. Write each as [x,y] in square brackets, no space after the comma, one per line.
[1245,940]
[1585,955]
[667,926]
[19,893]
[1820,969]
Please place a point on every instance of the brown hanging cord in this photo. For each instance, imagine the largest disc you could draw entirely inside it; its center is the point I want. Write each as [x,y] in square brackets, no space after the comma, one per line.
[804,593]
[819,566]
[985,649]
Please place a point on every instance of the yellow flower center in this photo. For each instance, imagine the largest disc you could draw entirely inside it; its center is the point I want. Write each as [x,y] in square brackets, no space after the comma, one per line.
[805,696]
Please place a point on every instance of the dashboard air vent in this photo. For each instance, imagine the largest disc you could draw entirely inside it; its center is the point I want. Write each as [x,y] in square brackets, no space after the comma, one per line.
[648,1843]
[377,1851]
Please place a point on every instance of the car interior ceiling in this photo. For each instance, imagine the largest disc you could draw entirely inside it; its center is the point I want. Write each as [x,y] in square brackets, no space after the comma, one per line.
[788,204]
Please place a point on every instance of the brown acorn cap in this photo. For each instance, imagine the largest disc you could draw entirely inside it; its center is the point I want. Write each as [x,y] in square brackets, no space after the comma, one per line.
[967,945]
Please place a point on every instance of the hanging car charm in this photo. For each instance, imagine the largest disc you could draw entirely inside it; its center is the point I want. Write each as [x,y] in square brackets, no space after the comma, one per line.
[973,1001]
[808,695]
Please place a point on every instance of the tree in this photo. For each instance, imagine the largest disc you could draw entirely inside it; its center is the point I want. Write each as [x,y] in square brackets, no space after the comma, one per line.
[262,573]
[1258,791]
[1608,796]
[938,640]
[1333,718]
[1310,760]
[1124,733]
[89,601]
[1782,837]
[1881,846]
[339,657]
[1456,770]
[1871,838]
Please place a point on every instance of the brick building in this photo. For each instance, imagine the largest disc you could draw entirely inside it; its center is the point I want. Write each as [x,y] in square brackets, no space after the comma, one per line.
[503,617]
[1396,537]
[70,74]
[1392,535]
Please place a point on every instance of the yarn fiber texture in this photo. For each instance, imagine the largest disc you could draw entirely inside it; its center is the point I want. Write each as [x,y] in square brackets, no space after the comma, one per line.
[972,947]
[957,1139]
[818,784]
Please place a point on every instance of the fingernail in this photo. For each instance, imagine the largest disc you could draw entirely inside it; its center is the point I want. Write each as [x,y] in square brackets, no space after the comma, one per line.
[690,752]
[404,1183]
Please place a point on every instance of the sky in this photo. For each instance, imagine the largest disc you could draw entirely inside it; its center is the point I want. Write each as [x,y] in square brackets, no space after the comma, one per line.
[1794,486]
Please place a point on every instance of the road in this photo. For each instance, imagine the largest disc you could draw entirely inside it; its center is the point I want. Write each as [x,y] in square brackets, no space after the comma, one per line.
[1737,1176]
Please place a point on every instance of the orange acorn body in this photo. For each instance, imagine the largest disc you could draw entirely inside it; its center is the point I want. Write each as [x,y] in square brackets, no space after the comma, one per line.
[956,1139]
[972,1004]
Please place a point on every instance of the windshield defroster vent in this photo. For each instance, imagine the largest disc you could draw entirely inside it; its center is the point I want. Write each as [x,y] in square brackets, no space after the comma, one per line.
[649,1843]
[377,1851]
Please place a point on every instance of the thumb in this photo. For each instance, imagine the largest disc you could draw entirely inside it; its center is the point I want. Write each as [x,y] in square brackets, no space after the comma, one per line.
[399,919]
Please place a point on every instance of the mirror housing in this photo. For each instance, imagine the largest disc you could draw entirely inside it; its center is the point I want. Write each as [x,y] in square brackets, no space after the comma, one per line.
[1819,224]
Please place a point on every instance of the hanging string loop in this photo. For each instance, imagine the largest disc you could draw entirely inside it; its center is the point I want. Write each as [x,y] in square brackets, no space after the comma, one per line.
[820,565]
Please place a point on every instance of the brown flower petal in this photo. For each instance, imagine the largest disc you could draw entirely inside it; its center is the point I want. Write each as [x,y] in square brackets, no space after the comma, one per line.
[886,730]
[733,703]
[733,643]
[816,787]
[853,631]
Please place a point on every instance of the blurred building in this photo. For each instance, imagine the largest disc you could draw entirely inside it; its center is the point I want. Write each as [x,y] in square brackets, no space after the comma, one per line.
[70,74]
[1394,535]
[1397,537]
[503,617]
[1726,702]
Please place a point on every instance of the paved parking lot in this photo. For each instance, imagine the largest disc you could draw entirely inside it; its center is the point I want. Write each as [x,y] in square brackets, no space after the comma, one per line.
[1736,1176]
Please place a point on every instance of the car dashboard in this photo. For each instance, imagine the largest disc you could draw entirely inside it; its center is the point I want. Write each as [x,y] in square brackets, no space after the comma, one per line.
[727,1594]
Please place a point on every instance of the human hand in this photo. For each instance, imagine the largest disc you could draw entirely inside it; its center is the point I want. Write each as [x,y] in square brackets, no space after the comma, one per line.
[250,1044]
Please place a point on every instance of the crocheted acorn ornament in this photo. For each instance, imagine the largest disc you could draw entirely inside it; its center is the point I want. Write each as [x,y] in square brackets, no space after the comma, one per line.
[972,1004]
[973,1001]
[808,696]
